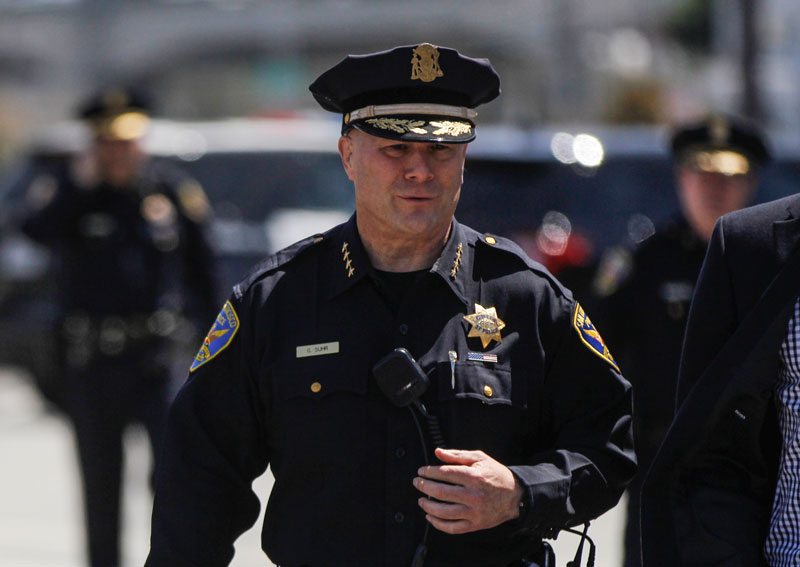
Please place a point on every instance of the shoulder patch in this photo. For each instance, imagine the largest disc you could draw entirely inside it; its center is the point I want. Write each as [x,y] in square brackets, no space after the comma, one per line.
[194,201]
[219,336]
[615,267]
[590,337]
[42,190]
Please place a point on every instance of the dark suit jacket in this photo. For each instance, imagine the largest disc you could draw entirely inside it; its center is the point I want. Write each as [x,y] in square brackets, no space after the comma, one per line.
[708,496]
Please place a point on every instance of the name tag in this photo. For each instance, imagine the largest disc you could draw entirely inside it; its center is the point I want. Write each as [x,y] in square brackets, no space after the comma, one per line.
[317,350]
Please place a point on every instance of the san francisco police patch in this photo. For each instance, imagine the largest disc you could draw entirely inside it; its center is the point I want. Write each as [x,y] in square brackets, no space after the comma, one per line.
[219,337]
[590,337]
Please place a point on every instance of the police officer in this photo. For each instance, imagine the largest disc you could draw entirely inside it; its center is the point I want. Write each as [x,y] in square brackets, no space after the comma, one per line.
[645,293]
[529,401]
[133,269]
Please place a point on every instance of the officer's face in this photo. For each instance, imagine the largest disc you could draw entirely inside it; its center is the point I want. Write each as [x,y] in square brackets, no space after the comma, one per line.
[117,160]
[707,196]
[403,190]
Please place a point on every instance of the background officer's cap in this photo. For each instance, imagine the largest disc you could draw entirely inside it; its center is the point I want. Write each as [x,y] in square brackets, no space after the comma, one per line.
[417,93]
[721,144]
[117,113]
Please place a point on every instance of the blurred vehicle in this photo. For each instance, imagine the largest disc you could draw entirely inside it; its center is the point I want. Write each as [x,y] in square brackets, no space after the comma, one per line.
[272,182]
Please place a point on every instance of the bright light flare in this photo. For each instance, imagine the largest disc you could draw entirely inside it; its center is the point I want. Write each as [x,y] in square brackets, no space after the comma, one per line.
[588,150]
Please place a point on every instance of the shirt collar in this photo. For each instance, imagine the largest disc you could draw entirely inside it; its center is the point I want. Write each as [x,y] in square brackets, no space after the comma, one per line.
[349,262]
[454,265]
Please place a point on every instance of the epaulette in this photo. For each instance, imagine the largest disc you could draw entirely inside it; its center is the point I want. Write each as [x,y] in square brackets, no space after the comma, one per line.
[275,261]
[509,247]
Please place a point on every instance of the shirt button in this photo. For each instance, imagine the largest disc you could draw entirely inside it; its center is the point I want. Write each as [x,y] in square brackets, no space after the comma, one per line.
[487,391]
[403,329]
[316,387]
[399,452]
[399,517]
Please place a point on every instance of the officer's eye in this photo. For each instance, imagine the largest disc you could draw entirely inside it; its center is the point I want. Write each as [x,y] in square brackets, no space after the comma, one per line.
[442,151]
[395,150]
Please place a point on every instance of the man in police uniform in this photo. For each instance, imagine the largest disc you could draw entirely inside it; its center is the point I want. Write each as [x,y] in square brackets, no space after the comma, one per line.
[132,262]
[645,293]
[531,405]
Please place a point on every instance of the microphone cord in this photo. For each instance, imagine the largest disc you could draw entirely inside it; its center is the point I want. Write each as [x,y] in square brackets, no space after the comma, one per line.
[576,562]
[438,440]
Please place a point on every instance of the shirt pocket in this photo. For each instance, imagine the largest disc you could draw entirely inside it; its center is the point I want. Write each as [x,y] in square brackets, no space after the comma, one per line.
[320,410]
[482,408]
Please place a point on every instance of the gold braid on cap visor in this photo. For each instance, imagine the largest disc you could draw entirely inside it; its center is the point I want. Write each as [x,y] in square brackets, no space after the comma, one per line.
[725,162]
[125,126]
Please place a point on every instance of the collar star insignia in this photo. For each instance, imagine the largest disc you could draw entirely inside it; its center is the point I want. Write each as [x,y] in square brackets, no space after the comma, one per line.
[457,261]
[485,324]
[348,262]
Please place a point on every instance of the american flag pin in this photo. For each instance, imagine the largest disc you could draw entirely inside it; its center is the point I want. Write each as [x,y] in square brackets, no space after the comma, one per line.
[482,357]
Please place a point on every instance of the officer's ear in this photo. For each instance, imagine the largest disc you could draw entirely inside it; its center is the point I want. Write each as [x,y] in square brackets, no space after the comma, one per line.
[346,153]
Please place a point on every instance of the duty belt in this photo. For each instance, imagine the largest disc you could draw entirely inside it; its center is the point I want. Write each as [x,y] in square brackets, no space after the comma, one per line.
[113,334]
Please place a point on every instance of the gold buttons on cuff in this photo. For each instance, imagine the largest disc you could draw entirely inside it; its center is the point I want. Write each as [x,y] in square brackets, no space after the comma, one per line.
[490,240]
[316,387]
[487,391]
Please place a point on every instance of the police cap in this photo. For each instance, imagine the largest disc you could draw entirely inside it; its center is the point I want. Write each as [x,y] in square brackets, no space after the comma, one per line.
[417,93]
[721,144]
[117,113]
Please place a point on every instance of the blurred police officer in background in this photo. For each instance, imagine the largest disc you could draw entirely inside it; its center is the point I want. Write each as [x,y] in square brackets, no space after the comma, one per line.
[645,293]
[531,405]
[134,270]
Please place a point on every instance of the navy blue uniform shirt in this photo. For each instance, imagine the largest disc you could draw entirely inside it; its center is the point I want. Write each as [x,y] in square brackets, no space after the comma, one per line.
[124,251]
[552,407]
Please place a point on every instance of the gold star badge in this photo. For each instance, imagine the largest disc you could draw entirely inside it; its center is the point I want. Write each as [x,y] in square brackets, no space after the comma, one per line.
[485,324]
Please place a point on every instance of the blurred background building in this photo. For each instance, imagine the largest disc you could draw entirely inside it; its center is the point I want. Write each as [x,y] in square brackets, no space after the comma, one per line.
[620,61]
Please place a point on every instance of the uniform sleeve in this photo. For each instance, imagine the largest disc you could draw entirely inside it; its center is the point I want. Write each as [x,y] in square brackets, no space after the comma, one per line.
[588,458]
[213,450]
[712,315]
[49,221]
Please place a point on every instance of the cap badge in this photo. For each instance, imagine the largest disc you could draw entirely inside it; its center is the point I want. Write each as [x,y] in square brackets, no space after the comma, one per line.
[425,63]
[116,99]
[720,130]
[348,262]
[486,325]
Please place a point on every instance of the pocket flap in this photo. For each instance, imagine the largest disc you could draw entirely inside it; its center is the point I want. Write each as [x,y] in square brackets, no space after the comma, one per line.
[474,380]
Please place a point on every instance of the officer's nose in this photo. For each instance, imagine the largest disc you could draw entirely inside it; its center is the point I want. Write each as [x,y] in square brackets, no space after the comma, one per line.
[417,165]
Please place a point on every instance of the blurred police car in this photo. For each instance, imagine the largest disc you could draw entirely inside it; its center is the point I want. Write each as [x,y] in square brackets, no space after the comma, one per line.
[274,181]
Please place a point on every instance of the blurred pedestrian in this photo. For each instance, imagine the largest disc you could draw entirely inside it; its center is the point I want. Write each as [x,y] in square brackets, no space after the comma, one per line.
[134,269]
[300,371]
[645,293]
